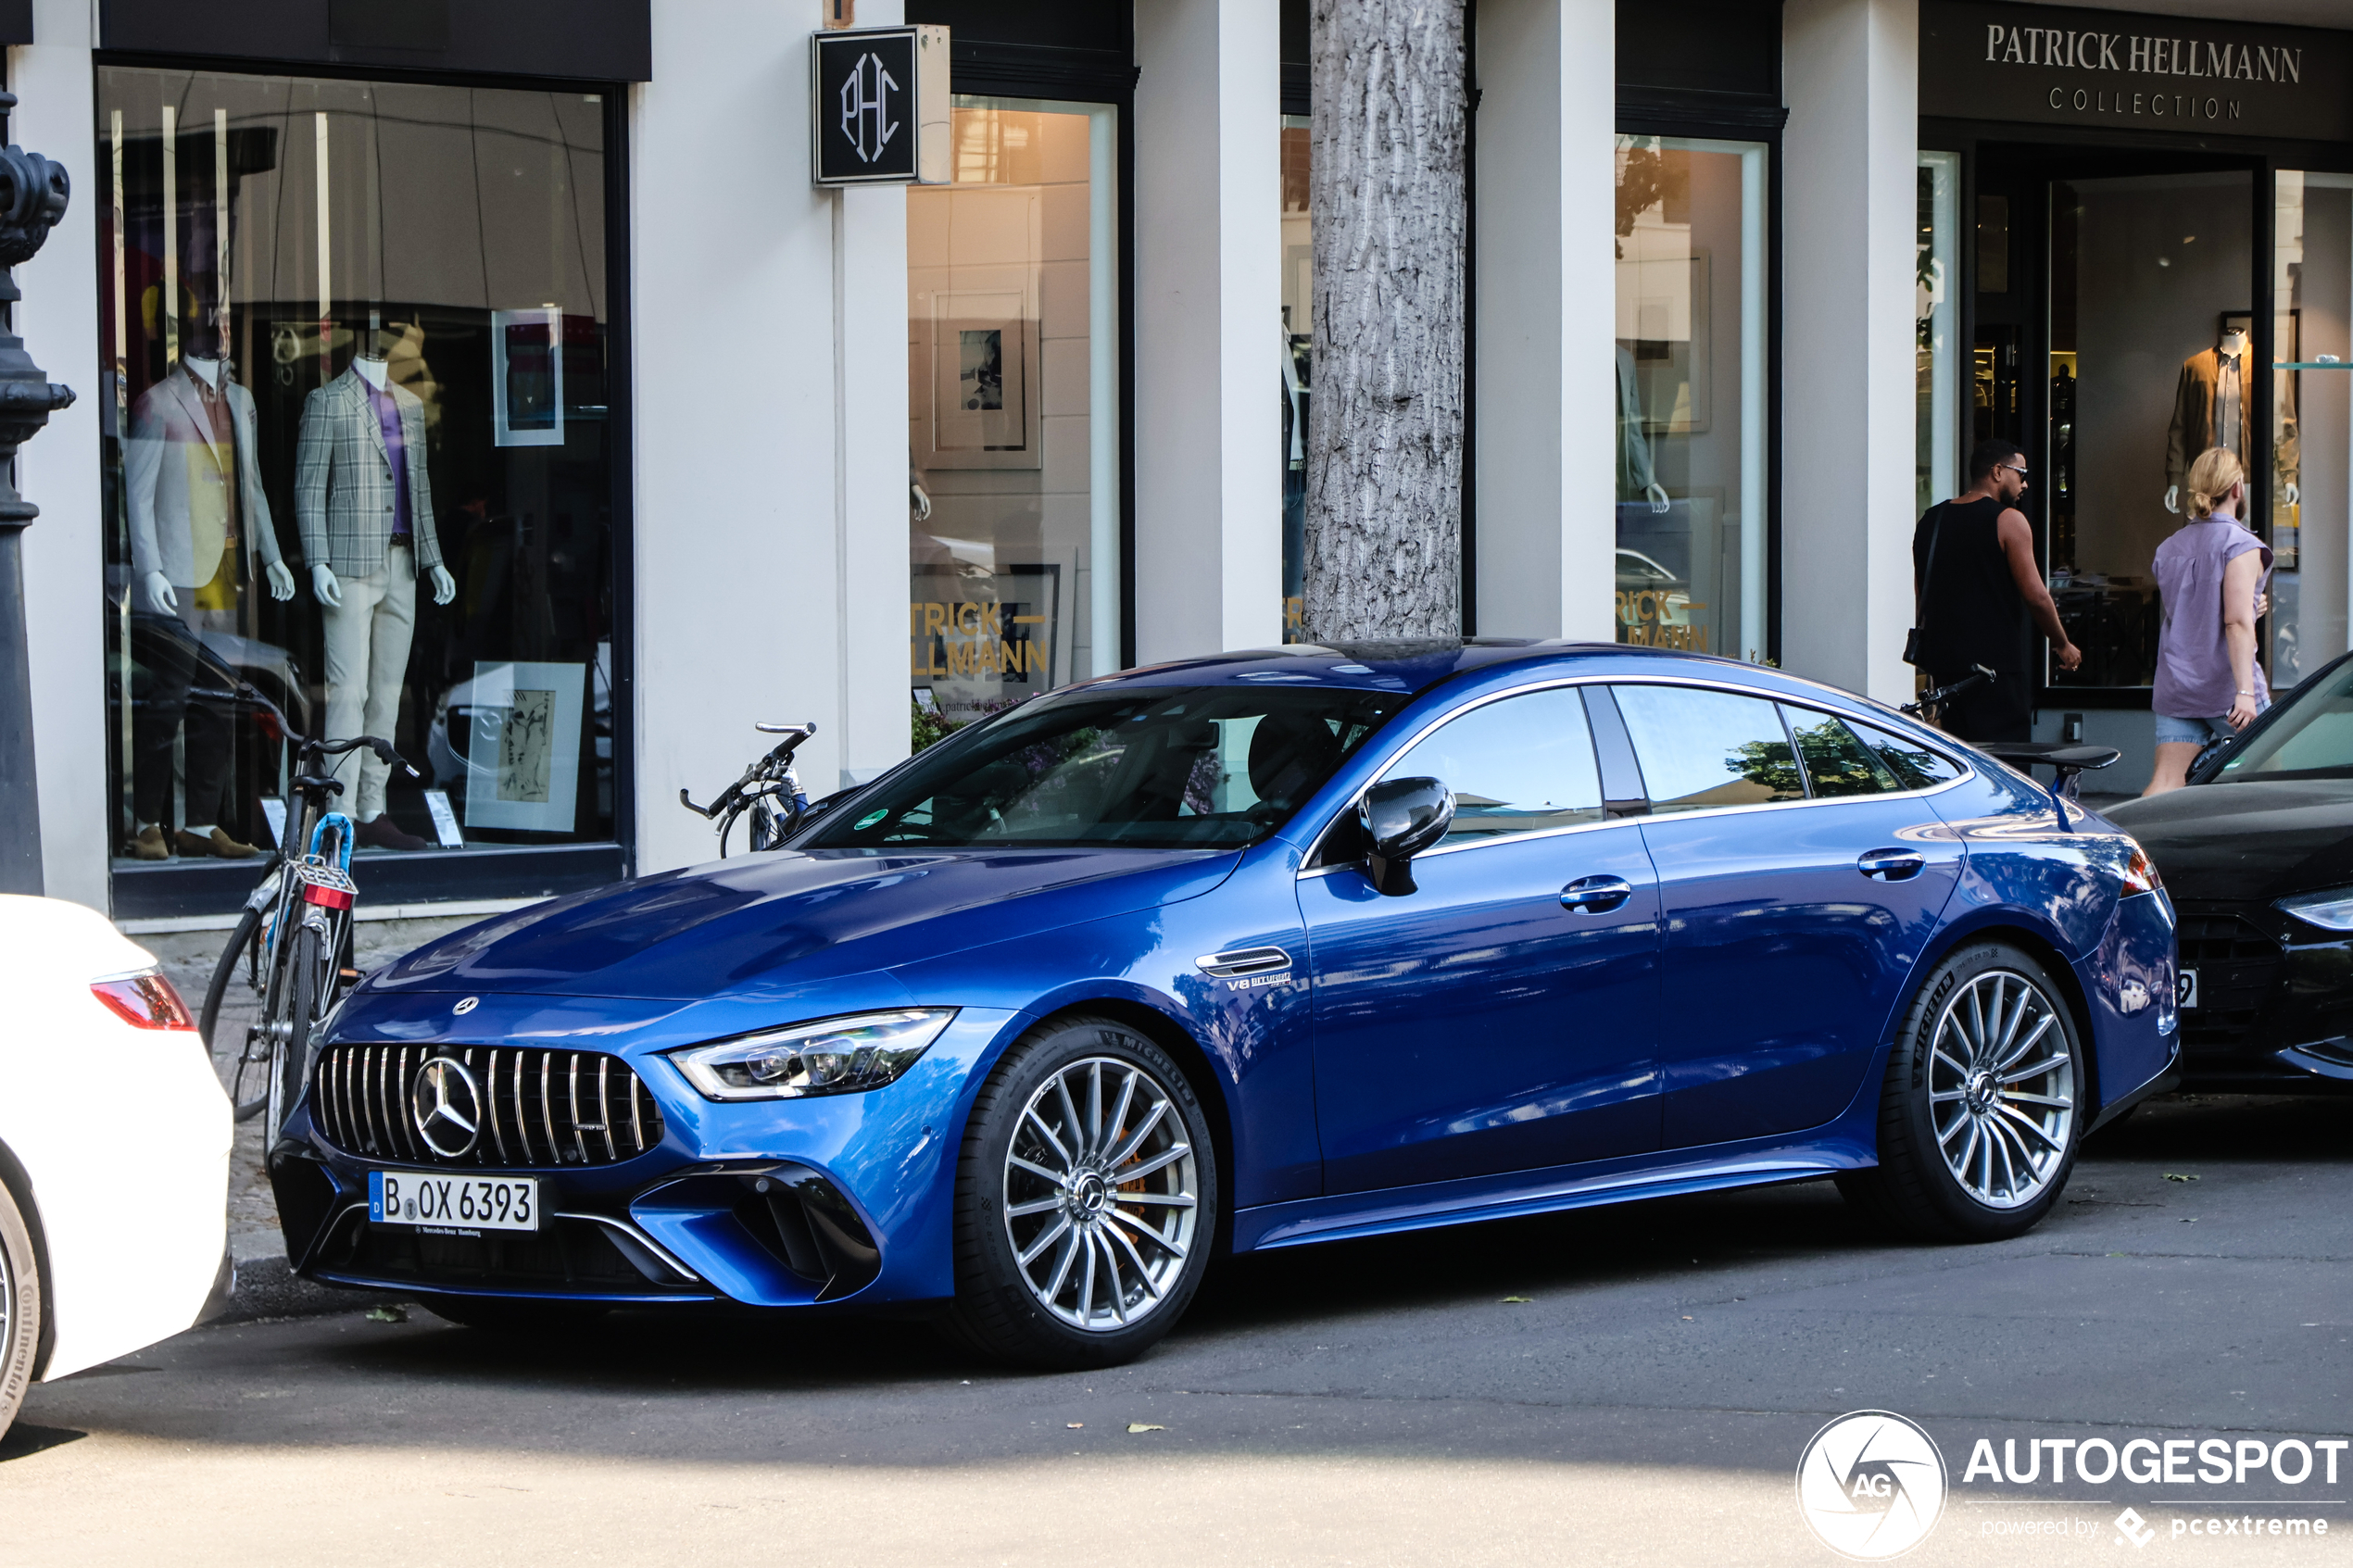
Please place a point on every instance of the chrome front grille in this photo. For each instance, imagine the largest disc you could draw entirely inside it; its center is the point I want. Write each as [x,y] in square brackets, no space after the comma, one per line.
[539,1107]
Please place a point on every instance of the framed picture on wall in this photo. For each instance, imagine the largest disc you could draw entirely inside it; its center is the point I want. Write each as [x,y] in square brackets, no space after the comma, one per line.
[527,378]
[522,750]
[976,383]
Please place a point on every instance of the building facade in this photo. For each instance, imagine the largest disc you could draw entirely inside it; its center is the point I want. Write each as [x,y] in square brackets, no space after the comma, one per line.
[499,379]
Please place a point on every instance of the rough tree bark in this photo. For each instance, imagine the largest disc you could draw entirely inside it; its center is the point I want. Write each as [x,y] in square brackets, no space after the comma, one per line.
[1385,427]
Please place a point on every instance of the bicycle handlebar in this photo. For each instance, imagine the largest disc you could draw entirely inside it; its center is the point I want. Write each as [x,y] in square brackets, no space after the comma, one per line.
[769,767]
[304,745]
[1944,693]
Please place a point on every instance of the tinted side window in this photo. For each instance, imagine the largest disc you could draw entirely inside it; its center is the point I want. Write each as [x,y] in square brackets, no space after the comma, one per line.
[1911,762]
[1701,748]
[1522,764]
[1836,762]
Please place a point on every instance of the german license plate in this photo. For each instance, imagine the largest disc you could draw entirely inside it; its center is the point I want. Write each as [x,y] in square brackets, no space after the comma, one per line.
[2186,988]
[448,1205]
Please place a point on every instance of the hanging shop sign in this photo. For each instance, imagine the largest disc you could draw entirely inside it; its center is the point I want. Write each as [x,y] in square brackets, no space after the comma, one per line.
[879,104]
[2051,67]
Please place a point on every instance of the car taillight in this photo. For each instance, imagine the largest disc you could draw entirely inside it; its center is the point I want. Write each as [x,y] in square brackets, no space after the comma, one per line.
[145,1000]
[2140,873]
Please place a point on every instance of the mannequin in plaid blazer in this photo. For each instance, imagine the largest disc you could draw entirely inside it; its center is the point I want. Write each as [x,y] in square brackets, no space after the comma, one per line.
[345,504]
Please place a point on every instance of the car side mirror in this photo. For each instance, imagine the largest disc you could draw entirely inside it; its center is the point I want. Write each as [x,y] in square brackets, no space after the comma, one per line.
[1400,819]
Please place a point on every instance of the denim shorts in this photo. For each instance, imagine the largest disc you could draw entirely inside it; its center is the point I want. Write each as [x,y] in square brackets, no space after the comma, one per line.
[2193,732]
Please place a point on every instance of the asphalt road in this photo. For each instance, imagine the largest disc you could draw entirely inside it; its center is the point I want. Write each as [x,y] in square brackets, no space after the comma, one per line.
[1373,1402]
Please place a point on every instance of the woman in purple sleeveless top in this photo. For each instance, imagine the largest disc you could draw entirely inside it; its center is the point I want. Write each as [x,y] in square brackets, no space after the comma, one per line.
[2211,578]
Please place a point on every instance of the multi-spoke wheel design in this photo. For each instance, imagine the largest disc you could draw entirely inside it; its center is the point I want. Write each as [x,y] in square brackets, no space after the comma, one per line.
[1102,1194]
[1086,1198]
[2001,1086]
[1977,1121]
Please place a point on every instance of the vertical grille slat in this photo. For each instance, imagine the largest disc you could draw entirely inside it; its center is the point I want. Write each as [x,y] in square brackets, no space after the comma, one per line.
[533,1119]
[604,1104]
[398,1108]
[490,1094]
[547,1105]
[579,1138]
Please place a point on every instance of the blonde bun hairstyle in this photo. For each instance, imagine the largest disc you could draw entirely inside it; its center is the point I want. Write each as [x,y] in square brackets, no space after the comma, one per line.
[2217,468]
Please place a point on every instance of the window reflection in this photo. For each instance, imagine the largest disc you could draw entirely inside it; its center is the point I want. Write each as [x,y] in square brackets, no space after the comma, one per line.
[1013,409]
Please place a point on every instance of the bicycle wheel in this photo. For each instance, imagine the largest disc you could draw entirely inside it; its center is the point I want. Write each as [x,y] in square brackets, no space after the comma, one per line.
[225,974]
[291,1034]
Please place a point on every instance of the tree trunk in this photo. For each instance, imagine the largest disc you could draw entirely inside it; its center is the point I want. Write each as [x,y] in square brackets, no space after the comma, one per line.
[1386,191]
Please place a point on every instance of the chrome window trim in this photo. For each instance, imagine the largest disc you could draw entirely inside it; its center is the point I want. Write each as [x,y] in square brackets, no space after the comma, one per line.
[1968,769]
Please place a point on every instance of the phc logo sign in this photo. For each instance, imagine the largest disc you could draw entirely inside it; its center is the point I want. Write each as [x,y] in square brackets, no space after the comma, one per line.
[879,98]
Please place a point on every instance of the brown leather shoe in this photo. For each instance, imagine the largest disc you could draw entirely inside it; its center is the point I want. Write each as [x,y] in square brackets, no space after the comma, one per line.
[149,845]
[385,833]
[215,842]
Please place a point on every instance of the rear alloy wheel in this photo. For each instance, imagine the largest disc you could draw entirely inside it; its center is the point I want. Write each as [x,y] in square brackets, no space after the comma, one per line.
[21,1304]
[1085,1201]
[1977,1123]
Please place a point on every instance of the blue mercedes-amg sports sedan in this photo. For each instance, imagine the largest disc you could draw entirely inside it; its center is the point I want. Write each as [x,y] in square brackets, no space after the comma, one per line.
[1247,952]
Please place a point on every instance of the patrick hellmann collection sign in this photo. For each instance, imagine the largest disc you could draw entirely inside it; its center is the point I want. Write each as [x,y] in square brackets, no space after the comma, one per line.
[2043,65]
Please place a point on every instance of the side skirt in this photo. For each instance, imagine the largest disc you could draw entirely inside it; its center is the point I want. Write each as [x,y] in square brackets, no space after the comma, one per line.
[1551,1190]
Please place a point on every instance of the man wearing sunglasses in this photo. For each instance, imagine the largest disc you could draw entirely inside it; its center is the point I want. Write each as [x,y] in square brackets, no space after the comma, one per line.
[1976,587]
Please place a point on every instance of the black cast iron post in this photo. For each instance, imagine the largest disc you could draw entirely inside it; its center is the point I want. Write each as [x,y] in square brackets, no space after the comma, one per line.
[32,199]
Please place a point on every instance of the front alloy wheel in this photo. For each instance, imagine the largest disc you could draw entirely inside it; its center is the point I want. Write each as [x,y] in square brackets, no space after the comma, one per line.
[1086,1199]
[1978,1123]
[1102,1191]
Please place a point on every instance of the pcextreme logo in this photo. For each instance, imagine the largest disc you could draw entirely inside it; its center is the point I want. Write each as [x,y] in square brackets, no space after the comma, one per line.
[1870,1485]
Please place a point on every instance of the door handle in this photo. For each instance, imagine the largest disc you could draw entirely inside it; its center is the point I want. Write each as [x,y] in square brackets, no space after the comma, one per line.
[1892,865]
[1596,894]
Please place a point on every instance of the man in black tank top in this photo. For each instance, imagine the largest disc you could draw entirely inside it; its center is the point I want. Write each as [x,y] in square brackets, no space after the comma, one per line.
[1976,585]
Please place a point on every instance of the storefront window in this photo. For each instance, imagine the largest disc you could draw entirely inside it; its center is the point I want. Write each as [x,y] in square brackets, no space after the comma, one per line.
[1935,286]
[1013,409]
[2311,380]
[2151,361]
[355,456]
[1689,381]
[1299,335]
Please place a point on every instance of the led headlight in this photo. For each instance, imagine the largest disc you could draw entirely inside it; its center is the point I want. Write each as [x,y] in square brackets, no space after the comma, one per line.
[2331,910]
[833,1056]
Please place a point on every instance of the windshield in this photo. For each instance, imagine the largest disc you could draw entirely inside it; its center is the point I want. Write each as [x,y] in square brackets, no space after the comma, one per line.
[1169,768]
[2313,737]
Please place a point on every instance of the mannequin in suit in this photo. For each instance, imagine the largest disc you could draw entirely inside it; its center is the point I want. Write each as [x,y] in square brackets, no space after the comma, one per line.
[363,499]
[1635,476]
[200,526]
[2214,405]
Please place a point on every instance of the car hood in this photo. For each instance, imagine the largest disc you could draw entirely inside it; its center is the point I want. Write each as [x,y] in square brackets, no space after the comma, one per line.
[2242,841]
[788,918]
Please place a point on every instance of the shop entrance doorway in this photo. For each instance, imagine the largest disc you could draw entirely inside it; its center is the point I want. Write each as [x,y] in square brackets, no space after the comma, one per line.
[2115,335]
[2116,312]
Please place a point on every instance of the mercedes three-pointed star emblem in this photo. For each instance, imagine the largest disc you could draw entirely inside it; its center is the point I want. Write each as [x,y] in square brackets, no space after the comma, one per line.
[446,1104]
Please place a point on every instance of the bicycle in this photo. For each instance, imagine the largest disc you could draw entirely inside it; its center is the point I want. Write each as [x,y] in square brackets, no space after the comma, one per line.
[292,939]
[770,791]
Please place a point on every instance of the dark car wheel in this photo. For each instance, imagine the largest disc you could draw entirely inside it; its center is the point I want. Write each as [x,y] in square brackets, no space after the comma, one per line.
[1978,1122]
[19,1310]
[1086,1199]
[499,1314]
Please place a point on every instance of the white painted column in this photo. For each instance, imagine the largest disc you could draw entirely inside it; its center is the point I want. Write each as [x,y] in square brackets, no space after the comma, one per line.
[1546,275]
[1208,328]
[771,410]
[58,469]
[1850,75]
